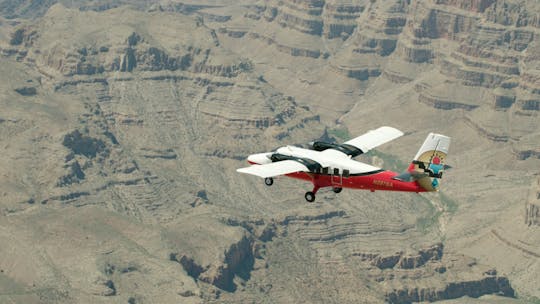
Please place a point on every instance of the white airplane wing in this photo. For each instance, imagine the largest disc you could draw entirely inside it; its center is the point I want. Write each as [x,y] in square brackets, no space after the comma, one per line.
[274,169]
[374,138]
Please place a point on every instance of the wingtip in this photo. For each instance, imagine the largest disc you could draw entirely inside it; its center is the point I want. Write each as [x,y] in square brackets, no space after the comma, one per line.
[393,130]
[247,170]
[241,170]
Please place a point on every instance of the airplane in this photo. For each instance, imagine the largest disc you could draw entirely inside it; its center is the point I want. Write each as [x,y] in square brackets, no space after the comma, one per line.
[332,165]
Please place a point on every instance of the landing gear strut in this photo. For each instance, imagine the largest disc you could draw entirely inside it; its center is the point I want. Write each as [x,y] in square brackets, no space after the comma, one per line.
[337,190]
[269,181]
[310,196]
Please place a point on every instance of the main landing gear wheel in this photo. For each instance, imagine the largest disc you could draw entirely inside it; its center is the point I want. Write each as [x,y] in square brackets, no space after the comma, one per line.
[310,196]
[337,190]
[269,181]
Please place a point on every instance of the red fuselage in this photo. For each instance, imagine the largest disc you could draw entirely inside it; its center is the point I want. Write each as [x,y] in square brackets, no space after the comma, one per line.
[377,181]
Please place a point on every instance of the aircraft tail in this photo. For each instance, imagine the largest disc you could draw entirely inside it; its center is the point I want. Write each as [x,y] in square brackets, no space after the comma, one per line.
[428,165]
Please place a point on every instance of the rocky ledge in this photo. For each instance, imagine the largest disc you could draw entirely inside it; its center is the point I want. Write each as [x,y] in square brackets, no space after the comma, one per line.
[430,275]
[476,288]
[238,261]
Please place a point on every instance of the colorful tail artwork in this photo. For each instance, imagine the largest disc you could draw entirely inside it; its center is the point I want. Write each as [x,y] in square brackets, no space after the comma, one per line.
[429,163]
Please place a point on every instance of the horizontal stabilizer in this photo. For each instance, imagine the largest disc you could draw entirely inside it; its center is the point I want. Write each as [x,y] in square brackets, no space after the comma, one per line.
[274,169]
[410,176]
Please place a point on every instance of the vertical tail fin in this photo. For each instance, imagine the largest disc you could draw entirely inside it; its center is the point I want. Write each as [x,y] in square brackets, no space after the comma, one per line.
[429,162]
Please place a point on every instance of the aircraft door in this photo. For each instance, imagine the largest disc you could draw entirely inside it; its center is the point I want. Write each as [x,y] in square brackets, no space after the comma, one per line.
[337,177]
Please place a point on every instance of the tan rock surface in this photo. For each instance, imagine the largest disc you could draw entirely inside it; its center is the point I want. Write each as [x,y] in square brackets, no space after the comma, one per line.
[121,127]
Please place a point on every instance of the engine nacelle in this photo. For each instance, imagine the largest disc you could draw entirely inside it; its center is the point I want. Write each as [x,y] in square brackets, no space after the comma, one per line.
[260,158]
[345,148]
[321,146]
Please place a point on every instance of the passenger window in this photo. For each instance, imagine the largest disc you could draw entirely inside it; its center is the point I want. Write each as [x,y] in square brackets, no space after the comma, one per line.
[336,171]
[325,170]
[346,173]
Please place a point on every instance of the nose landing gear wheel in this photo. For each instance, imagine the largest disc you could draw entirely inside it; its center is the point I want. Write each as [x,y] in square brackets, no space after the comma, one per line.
[310,196]
[268,181]
[337,190]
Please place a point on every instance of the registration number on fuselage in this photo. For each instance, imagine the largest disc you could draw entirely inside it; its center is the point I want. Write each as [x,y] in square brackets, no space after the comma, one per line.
[383,183]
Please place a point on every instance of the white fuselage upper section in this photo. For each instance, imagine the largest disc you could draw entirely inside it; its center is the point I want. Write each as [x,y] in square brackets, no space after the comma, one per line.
[328,158]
